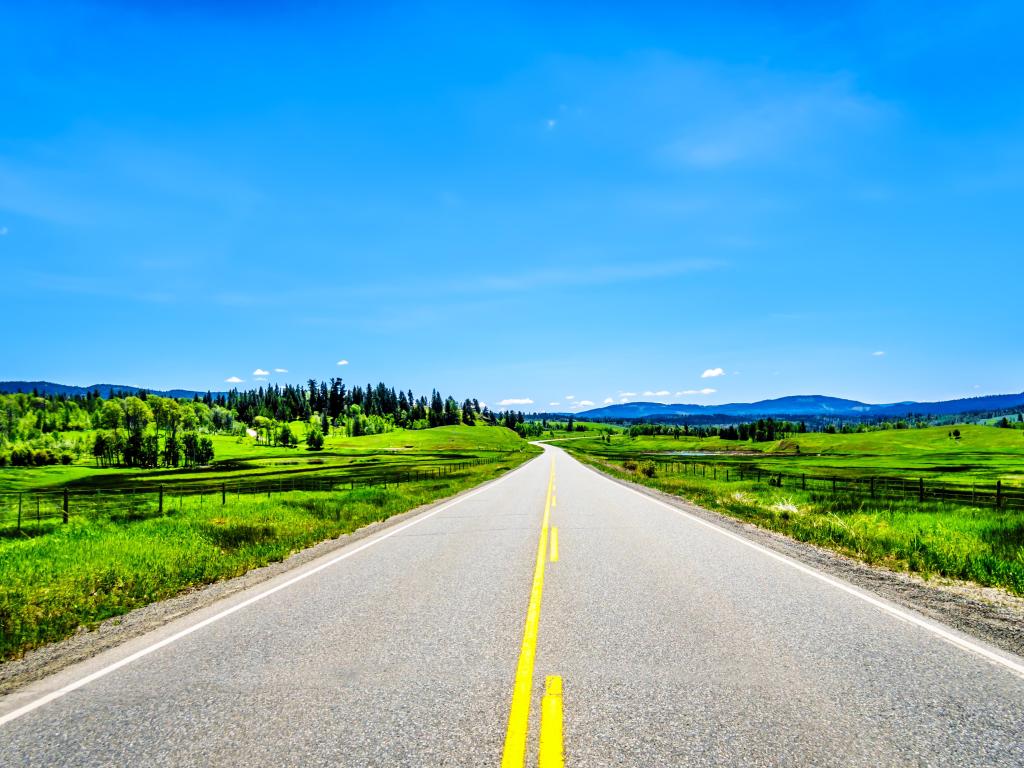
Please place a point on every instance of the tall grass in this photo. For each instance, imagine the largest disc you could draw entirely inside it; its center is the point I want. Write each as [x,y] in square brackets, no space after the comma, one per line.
[983,545]
[96,567]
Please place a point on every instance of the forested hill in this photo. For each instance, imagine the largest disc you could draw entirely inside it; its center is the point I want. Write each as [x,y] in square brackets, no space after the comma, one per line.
[102,390]
[808,405]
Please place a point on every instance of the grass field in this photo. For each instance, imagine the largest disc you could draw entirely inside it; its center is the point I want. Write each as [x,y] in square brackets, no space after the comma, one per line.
[980,544]
[982,454]
[102,565]
[241,458]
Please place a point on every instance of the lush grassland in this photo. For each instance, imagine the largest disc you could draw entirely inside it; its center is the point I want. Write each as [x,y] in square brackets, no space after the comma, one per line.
[981,544]
[240,459]
[982,454]
[103,565]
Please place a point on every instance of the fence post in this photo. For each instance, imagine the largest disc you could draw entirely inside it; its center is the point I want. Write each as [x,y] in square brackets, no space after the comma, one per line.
[64,516]
[19,513]
[223,493]
[160,500]
[999,493]
[920,489]
[39,520]
[803,482]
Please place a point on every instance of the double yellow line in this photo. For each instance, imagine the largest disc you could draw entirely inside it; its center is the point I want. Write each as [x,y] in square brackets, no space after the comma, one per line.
[551,745]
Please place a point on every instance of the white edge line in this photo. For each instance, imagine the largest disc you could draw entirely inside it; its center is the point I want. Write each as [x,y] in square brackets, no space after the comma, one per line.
[74,686]
[892,610]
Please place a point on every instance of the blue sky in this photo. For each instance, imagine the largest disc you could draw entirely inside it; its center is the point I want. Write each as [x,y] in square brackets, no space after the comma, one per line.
[524,202]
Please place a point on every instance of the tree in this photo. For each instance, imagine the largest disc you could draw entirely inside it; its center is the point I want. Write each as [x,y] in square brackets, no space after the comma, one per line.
[315,439]
[285,436]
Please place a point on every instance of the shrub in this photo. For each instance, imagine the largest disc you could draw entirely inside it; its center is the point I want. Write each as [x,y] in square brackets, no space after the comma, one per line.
[66,458]
[648,469]
[629,465]
[4,458]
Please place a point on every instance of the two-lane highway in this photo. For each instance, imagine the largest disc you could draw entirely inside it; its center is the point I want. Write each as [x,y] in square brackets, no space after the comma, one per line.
[658,639]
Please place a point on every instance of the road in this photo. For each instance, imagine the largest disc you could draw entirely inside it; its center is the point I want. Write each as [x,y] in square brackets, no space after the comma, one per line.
[674,643]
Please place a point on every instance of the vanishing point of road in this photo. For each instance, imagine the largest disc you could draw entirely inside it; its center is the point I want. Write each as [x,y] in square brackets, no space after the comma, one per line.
[551,616]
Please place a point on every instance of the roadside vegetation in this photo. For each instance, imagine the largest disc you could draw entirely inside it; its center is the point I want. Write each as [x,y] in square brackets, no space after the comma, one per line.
[983,544]
[107,504]
[105,562]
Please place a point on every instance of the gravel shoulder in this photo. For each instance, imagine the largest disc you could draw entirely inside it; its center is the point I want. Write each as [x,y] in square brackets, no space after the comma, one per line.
[992,615]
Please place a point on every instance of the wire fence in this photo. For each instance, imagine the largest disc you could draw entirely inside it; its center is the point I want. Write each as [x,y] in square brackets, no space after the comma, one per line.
[872,486]
[31,513]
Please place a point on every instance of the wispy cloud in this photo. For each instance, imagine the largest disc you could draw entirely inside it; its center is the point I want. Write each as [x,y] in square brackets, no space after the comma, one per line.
[233,380]
[712,373]
[627,394]
[585,403]
[705,391]
[260,372]
[343,362]
[608,400]
[280,370]
[879,353]
[659,393]
[570,397]
[553,403]
[516,401]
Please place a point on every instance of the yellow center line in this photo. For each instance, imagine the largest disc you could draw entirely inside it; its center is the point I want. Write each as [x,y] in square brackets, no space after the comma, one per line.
[551,749]
[554,544]
[514,754]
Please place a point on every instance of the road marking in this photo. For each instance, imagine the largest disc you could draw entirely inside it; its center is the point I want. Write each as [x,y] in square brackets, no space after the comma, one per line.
[551,739]
[940,632]
[554,544]
[514,753]
[74,686]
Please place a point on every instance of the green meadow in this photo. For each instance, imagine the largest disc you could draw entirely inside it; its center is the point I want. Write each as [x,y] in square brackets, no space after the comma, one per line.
[105,562]
[982,544]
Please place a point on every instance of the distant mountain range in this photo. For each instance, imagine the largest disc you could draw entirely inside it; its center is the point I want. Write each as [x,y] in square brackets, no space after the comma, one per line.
[49,388]
[807,406]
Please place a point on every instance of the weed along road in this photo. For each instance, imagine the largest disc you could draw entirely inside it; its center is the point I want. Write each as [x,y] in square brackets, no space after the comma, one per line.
[551,617]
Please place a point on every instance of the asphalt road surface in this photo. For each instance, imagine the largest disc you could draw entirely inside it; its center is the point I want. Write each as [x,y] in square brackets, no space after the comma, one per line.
[659,639]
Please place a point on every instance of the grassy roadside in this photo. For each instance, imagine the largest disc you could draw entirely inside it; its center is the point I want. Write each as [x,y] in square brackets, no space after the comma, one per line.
[93,569]
[983,545]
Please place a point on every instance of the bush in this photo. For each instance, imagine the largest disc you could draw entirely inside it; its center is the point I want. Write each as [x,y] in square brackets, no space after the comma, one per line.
[4,458]
[66,458]
[648,469]
[629,465]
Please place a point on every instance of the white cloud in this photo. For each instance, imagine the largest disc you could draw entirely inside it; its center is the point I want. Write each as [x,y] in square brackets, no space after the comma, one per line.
[516,401]
[711,373]
[608,400]
[280,370]
[705,391]
[879,353]
[570,397]
[623,399]
[659,393]
[343,362]
[585,402]
[232,380]
[260,372]
[554,403]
